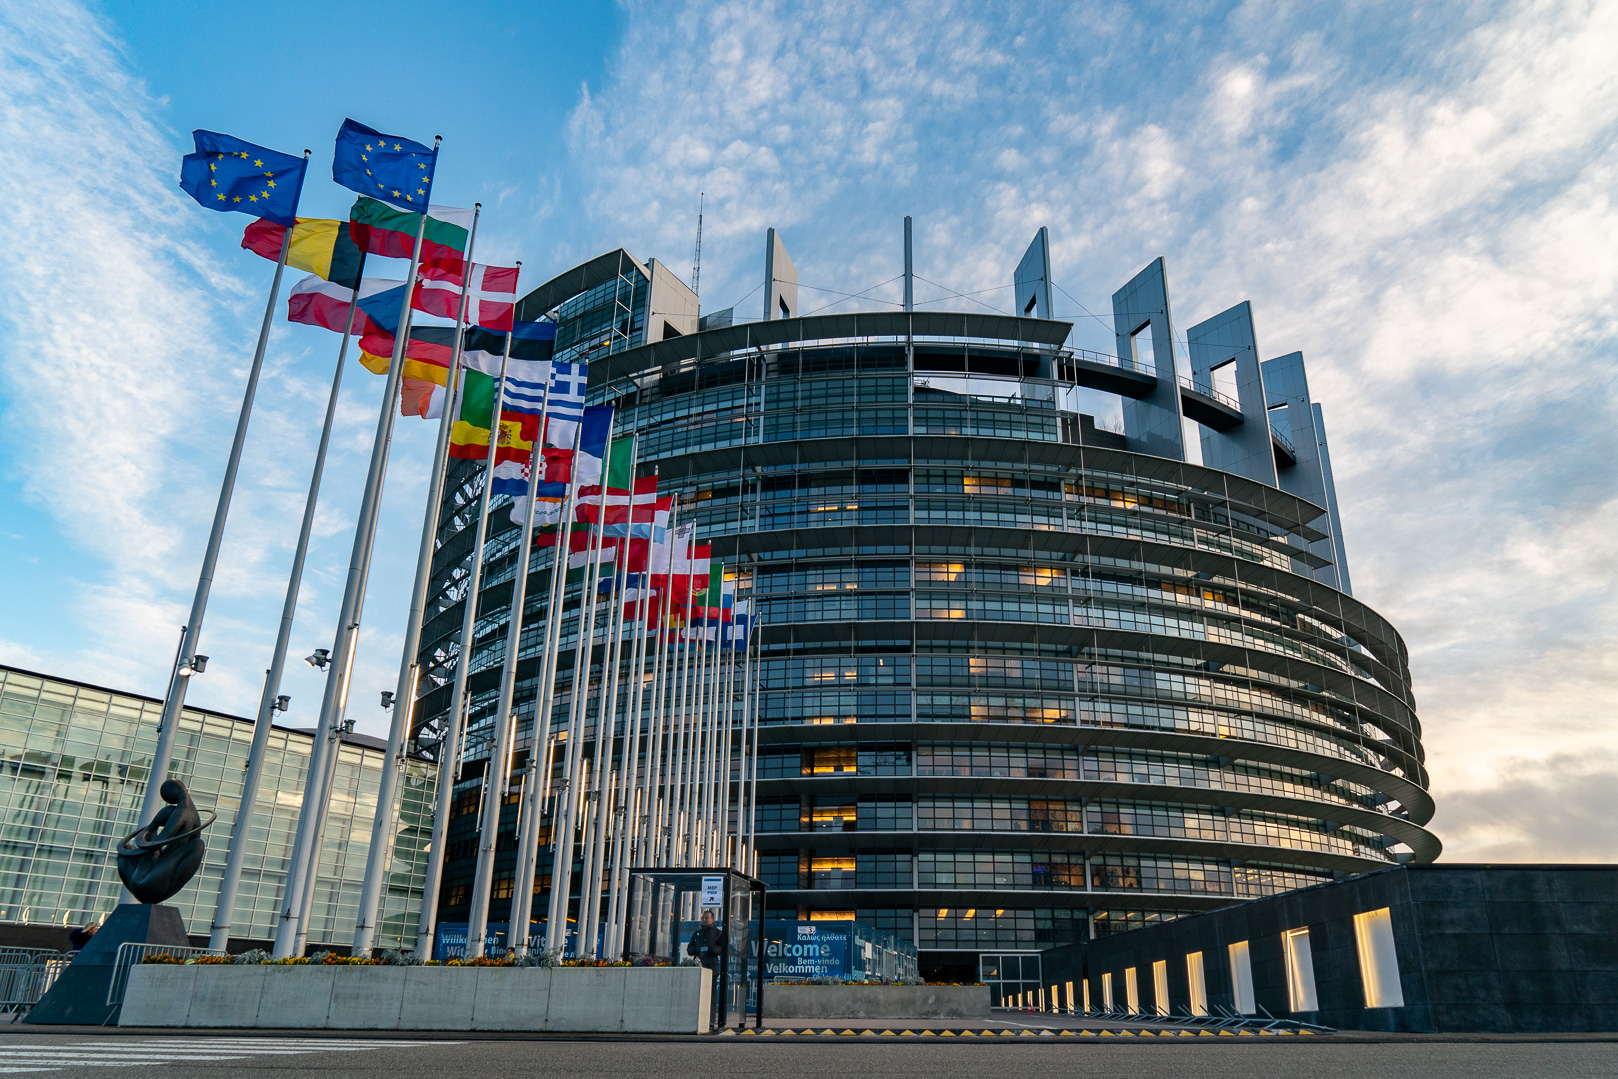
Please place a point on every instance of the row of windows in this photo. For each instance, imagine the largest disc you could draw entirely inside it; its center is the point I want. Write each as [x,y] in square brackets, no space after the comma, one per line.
[932,813]
[990,870]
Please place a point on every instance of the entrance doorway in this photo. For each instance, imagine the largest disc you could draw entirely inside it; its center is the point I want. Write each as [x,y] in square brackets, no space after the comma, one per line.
[1009,975]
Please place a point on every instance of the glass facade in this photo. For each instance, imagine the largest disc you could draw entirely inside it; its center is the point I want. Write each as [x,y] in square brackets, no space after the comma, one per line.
[1016,687]
[74,763]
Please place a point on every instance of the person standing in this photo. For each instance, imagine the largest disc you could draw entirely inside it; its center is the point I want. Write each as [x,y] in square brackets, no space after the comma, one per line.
[707,943]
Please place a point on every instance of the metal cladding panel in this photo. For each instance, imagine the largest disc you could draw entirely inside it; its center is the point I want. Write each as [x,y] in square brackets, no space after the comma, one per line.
[1244,449]
[1151,423]
[568,284]
[747,335]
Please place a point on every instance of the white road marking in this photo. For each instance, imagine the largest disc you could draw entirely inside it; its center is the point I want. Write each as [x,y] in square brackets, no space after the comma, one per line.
[38,1056]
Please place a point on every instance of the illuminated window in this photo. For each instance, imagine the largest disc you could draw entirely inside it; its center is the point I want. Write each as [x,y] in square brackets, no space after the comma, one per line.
[1132,990]
[1241,977]
[836,759]
[831,916]
[834,818]
[1300,971]
[1199,983]
[1160,986]
[832,872]
[1379,962]
[1106,992]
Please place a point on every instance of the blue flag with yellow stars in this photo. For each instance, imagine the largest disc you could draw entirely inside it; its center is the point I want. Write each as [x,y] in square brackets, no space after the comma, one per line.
[386,167]
[228,174]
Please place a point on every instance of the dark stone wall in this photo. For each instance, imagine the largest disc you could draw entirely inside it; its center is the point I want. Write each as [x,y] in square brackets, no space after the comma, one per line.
[1528,948]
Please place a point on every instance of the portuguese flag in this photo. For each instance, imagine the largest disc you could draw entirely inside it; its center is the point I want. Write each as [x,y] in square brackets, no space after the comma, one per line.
[378,228]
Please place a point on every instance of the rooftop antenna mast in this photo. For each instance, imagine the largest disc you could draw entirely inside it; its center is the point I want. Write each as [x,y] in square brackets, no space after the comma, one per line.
[696,259]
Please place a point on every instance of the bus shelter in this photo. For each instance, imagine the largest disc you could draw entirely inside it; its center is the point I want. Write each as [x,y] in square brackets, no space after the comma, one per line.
[664,922]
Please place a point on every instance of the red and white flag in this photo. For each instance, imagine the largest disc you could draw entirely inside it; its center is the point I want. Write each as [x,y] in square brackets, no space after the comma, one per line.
[491,301]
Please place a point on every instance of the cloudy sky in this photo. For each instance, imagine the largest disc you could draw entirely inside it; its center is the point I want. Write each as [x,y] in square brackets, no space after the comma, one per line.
[1419,197]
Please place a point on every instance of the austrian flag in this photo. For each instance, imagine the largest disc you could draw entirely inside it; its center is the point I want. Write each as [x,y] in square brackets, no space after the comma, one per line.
[490,301]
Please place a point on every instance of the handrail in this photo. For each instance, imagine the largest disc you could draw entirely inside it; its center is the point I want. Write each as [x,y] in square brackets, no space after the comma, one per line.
[1209,391]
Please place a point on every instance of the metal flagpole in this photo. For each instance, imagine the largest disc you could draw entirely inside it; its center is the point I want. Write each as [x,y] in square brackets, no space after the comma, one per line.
[612,649]
[584,652]
[522,906]
[567,795]
[494,790]
[727,658]
[656,791]
[306,903]
[380,852]
[744,812]
[180,675]
[454,725]
[335,699]
[630,793]
[225,911]
[752,782]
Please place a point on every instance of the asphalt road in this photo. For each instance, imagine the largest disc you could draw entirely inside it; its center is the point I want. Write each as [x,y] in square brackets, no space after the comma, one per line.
[432,1057]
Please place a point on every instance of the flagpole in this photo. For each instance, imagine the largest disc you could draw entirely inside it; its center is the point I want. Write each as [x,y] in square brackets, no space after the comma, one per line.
[652,847]
[180,675]
[752,782]
[744,819]
[567,795]
[224,912]
[612,649]
[562,865]
[528,842]
[380,851]
[450,744]
[628,821]
[335,699]
[522,892]
[494,789]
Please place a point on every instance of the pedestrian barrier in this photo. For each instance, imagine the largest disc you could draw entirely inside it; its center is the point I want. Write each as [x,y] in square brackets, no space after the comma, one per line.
[130,953]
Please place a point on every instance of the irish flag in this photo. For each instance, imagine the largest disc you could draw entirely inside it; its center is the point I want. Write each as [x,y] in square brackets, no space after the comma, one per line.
[380,229]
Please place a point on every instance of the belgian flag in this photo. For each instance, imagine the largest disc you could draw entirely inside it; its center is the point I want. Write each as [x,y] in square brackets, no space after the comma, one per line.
[319,246]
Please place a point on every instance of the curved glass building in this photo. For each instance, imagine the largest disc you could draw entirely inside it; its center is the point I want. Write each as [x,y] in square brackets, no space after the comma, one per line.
[1024,680]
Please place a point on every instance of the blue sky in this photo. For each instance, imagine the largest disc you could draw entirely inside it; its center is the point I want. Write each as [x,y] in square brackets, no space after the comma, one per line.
[1420,197]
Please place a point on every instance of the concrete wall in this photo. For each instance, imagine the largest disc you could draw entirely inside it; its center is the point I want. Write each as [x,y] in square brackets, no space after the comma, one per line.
[1514,949]
[635,1000]
[876,1001]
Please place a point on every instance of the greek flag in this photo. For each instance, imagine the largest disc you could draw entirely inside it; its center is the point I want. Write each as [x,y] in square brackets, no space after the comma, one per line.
[568,382]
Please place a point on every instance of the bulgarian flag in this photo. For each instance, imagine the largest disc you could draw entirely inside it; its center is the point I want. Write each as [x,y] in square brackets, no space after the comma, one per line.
[380,229]
[490,301]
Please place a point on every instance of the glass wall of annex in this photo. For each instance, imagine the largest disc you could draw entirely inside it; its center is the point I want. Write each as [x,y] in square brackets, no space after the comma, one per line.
[74,762]
[1020,686]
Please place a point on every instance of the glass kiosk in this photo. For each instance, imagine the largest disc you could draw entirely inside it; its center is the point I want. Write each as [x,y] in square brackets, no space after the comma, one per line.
[665,916]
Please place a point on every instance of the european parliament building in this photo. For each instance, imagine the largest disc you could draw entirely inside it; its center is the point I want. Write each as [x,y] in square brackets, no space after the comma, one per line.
[1024,680]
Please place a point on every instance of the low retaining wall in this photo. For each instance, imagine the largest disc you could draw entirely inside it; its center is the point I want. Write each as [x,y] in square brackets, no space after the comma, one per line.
[876,1001]
[637,1000]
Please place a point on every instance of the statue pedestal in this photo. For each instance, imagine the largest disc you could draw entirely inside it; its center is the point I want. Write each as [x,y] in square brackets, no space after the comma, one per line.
[80,994]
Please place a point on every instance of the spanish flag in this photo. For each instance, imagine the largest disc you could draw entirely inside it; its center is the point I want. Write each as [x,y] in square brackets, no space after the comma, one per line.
[319,246]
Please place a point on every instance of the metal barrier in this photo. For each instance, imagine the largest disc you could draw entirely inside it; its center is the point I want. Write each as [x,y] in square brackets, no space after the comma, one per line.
[26,973]
[130,953]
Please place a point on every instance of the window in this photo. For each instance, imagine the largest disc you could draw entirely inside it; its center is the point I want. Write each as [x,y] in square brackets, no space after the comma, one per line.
[1132,990]
[1379,962]
[1160,986]
[1106,992]
[1199,983]
[1086,984]
[1070,1001]
[1241,977]
[1300,971]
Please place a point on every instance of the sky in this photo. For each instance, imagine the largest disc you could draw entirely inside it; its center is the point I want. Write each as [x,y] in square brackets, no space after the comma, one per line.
[1420,197]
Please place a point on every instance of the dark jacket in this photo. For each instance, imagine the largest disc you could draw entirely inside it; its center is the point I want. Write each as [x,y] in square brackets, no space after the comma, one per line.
[707,944]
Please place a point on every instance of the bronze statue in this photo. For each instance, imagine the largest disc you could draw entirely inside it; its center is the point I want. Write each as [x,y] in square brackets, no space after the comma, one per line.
[158,860]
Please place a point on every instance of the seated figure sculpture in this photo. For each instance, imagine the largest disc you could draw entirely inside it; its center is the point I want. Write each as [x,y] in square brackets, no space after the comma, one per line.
[158,860]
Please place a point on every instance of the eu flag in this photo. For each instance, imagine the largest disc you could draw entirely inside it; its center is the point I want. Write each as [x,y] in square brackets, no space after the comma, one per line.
[228,174]
[387,167]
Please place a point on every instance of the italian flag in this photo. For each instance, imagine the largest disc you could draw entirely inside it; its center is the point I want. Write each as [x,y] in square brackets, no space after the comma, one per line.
[378,228]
